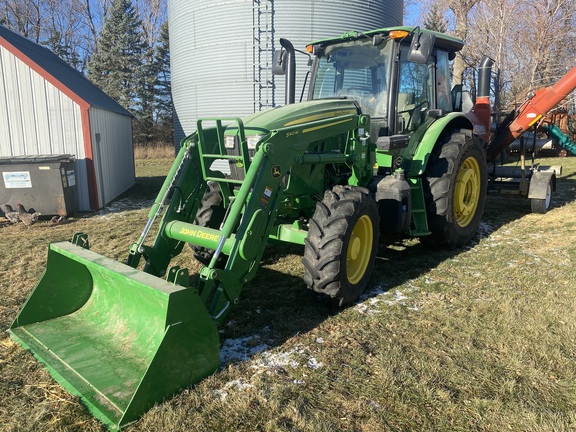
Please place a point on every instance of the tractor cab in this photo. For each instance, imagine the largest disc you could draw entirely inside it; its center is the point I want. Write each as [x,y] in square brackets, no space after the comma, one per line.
[398,76]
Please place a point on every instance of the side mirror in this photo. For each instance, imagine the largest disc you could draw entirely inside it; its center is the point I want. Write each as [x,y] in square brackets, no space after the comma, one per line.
[421,47]
[457,98]
[279,63]
[461,99]
[377,40]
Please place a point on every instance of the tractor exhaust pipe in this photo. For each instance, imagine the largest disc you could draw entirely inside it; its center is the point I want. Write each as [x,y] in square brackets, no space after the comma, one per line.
[484,75]
[290,70]
[481,114]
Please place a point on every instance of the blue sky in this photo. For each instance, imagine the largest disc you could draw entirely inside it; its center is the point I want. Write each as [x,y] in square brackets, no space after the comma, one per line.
[412,13]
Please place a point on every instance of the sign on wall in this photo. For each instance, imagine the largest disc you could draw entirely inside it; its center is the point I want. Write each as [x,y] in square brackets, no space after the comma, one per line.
[17,180]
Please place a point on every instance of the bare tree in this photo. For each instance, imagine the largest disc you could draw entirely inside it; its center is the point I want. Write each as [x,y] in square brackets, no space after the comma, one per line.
[461,9]
[152,14]
[25,17]
[540,51]
[550,17]
[64,29]
[93,14]
[490,25]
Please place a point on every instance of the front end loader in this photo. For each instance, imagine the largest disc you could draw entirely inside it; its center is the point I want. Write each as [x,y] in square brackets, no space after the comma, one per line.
[380,147]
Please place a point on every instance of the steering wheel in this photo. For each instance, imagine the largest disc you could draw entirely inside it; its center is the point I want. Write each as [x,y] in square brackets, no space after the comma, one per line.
[417,107]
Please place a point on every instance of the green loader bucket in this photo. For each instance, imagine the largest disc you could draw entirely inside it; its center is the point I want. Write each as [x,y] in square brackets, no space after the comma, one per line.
[120,339]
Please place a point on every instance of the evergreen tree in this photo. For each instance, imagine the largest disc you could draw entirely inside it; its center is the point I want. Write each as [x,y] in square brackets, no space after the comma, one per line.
[57,45]
[164,104]
[116,65]
[144,126]
[434,19]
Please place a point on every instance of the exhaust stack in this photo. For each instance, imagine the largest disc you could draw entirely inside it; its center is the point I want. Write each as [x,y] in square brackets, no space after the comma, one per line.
[481,113]
[290,70]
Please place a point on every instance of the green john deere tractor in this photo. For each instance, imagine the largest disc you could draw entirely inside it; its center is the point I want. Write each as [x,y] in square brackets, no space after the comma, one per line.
[381,146]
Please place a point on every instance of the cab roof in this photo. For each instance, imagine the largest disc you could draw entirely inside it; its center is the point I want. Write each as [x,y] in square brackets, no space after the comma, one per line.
[444,41]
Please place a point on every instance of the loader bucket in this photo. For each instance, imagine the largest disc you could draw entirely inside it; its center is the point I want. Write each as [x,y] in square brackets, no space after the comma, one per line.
[120,339]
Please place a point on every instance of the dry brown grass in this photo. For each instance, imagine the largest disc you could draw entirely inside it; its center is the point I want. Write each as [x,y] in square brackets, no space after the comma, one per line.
[477,339]
[156,151]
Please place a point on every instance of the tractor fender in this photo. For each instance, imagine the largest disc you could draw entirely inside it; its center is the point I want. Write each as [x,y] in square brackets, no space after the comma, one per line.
[539,182]
[429,138]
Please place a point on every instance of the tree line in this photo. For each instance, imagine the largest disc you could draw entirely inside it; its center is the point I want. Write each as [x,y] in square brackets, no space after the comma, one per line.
[122,46]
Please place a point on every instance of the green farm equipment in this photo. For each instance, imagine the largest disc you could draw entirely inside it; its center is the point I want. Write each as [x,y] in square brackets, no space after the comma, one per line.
[554,132]
[380,147]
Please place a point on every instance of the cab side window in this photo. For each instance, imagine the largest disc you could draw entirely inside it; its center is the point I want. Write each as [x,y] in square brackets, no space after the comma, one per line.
[415,91]
[443,97]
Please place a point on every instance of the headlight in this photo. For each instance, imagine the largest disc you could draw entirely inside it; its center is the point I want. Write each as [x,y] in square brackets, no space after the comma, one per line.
[251,141]
[230,141]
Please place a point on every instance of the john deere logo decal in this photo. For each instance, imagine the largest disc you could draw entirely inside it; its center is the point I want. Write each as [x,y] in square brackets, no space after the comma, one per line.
[276,171]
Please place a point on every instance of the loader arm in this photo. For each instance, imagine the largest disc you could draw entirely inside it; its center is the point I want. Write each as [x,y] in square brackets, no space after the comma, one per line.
[253,201]
[530,112]
[108,332]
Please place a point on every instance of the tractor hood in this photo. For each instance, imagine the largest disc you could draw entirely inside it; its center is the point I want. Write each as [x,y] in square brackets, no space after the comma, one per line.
[299,114]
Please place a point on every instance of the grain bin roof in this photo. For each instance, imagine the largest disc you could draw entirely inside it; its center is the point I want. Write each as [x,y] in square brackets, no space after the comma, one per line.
[66,75]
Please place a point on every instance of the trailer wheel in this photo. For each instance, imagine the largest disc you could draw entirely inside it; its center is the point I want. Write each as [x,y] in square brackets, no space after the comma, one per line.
[541,206]
[341,245]
[455,189]
[210,214]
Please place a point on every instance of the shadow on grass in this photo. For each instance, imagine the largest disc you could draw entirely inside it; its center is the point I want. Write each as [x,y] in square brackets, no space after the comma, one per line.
[146,188]
[276,305]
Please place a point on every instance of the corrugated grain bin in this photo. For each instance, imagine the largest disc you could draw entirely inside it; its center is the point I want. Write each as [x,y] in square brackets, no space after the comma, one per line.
[229,72]
[44,183]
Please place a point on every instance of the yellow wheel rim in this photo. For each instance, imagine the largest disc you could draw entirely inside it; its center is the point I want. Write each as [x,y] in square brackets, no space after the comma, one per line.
[359,249]
[467,192]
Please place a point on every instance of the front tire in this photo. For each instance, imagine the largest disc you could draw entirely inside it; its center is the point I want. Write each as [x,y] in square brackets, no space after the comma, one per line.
[455,189]
[341,245]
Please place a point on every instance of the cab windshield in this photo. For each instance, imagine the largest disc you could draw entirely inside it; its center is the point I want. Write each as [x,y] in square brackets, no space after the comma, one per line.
[356,71]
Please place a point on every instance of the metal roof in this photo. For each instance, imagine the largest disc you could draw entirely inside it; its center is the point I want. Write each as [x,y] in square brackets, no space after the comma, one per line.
[61,71]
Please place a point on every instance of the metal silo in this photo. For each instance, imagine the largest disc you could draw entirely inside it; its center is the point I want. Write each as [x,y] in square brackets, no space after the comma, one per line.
[221,51]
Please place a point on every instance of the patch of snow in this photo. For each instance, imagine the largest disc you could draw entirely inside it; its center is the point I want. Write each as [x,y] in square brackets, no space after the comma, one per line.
[123,205]
[261,360]
[221,394]
[374,404]
[237,350]
[373,292]
[272,361]
[366,304]
[364,309]
[314,364]
[237,385]
[397,297]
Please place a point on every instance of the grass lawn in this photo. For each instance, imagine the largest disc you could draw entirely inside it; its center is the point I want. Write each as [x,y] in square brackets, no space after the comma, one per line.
[482,338]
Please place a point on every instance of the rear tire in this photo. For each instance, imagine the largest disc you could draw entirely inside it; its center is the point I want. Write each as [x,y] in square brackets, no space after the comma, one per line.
[210,214]
[455,189]
[341,245]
